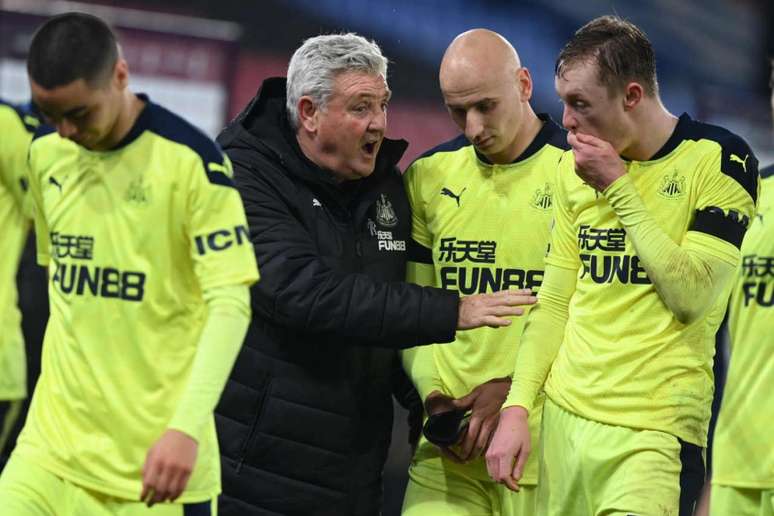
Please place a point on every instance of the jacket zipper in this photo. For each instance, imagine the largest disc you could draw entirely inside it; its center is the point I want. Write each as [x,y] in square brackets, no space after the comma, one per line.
[253,426]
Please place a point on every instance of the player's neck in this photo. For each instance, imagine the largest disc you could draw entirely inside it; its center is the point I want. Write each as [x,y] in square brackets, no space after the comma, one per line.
[131,107]
[530,127]
[654,126]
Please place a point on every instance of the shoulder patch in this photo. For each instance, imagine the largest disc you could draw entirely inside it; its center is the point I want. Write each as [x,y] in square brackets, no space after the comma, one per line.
[737,159]
[173,127]
[30,116]
[26,113]
[450,146]
[43,130]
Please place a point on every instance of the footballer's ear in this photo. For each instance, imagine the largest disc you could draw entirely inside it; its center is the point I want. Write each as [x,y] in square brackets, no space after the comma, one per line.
[633,94]
[525,84]
[121,74]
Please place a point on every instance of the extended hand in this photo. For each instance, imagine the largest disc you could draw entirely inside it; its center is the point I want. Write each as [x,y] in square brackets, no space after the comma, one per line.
[511,443]
[168,466]
[492,309]
[596,161]
[484,402]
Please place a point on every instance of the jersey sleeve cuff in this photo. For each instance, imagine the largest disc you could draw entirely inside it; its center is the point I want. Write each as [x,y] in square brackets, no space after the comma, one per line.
[624,198]
[614,189]
[518,397]
[189,428]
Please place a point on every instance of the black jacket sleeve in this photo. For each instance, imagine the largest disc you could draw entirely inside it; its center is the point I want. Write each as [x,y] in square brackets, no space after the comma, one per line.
[297,290]
[408,397]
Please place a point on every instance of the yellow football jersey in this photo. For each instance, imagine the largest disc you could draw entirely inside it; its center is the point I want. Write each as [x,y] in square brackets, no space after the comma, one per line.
[625,359]
[484,227]
[743,451]
[17,125]
[131,238]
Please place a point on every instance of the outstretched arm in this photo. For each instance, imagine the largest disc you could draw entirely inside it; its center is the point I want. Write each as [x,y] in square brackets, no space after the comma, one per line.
[540,343]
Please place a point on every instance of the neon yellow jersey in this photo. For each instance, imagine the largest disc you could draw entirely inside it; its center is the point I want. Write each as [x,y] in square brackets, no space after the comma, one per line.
[17,124]
[625,359]
[484,228]
[743,454]
[131,238]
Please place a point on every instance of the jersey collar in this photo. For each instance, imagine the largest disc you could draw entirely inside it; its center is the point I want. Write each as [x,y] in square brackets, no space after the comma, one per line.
[679,134]
[546,135]
[142,123]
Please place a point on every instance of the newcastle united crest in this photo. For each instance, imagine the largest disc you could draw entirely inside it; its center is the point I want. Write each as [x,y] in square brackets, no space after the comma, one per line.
[672,187]
[542,198]
[385,215]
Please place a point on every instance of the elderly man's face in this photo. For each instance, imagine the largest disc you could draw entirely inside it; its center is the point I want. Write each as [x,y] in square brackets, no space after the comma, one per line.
[352,124]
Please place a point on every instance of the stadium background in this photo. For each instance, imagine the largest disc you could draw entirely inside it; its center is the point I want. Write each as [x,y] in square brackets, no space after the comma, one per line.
[205,59]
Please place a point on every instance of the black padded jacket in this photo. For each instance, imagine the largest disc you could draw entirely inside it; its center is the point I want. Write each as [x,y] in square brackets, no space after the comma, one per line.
[305,419]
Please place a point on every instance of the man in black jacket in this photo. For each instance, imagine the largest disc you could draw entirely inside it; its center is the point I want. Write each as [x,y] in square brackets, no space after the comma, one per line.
[304,422]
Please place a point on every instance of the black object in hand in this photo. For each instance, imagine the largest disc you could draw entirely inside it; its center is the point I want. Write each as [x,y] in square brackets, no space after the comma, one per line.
[446,428]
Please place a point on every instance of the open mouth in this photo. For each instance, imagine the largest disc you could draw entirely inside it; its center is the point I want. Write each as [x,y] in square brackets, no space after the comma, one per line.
[370,148]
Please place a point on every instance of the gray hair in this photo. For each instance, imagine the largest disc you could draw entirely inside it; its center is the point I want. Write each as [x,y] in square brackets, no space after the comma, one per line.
[315,65]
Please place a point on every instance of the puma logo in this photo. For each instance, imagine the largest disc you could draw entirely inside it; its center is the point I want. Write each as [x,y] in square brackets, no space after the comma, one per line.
[736,158]
[56,183]
[445,191]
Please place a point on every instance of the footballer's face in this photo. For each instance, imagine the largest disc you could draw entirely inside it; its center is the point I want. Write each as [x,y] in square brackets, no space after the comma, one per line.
[348,130]
[488,107]
[82,112]
[589,108]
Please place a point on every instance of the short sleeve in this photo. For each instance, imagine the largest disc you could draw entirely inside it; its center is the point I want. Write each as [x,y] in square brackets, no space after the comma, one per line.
[728,191]
[36,207]
[419,269]
[419,231]
[14,146]
[220,245]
